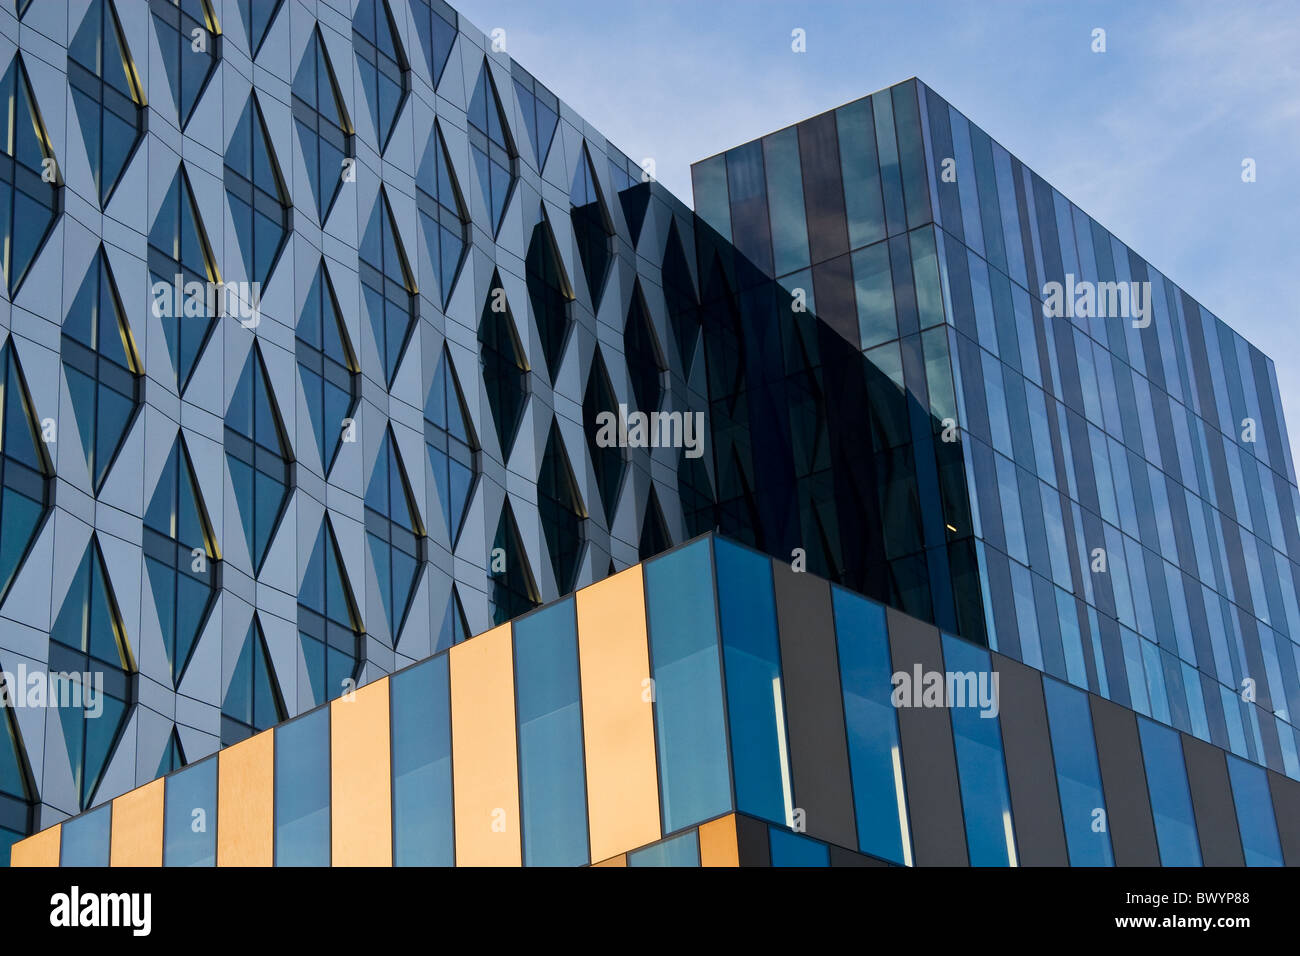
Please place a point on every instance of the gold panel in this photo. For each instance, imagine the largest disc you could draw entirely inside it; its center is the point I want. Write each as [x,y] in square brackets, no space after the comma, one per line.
[137,838]
[39,849]
[718,846]
[617,721]
[620,860]
[485,763]
[361,793]
[246,802]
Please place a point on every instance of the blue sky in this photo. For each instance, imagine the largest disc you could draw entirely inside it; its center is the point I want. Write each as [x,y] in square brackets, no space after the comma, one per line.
[1147,137]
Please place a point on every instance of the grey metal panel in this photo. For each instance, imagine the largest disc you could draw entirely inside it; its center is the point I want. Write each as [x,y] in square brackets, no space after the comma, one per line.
[1216,815]
[1031,773]
[819,757]
[1286,810]
[843,857]
[1128,805]
[752,847]
[929,760]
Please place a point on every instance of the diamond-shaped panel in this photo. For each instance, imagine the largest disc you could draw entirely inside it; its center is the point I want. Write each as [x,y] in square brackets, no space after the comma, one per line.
[443,218]
[381,62]
[181,262]
[549,291]
[329,627]
[452,447]
[591,227]
[106,95]
[324,130]
[514,590]
[495,157]
[388,286]
[505,370]
[394,534]
[102,367]
[258,456]
[191,50]
[88,638]
[180,558]
[253,701]
[25,470]
[30,205]
[563,516]
[259,203]
[327,365]
[600,420]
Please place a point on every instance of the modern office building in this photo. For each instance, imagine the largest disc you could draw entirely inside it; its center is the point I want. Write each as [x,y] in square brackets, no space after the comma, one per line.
[330,338]
[708,707]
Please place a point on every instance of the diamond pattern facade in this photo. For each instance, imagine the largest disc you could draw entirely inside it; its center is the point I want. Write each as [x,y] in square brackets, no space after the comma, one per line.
[221,473]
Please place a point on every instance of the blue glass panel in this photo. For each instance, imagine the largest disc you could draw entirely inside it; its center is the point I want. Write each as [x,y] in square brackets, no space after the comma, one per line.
[791,849]
[423,829]
[552,779]
[693,765]
[84,840]
[302,791]
[875,757]
[1078,777]
[681,850]
[977,737]
[1171,800]
[752,661]
[1255,817]
[190,824]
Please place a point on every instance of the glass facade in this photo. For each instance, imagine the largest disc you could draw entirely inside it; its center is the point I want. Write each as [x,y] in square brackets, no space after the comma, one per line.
[686,670]
[875,754]
[302,791]
[423,831]
[190,822]
[547,698]
[883,400]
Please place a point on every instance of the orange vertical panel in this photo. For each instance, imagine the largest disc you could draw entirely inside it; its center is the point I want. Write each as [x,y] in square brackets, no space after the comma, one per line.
[246,802]
[718,846]
[39,849]
[485,761]
[617,722]
[361,793]
[137,835]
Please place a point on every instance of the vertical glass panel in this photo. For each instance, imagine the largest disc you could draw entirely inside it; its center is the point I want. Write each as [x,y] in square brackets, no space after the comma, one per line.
[874,290]
[553,785]
[863,201]
[1171,800]
[791,849]
[694,771]
[1078,776]
[875,757]
[190,821]
[302,791]
[423,831]
[911,153]
[890,177]
[752,661]
[977,737]
[1255,817]
[709,185]
[785,201]
[84,840]
[681,850]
